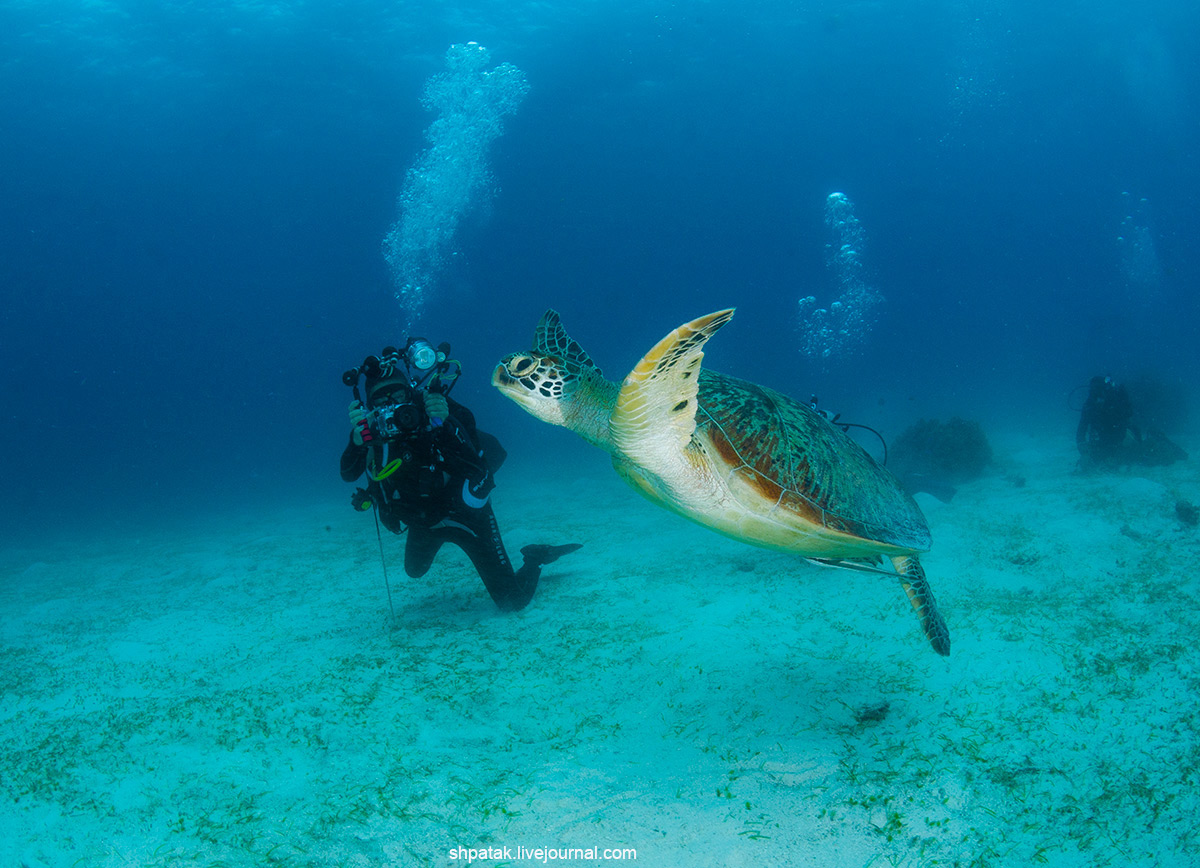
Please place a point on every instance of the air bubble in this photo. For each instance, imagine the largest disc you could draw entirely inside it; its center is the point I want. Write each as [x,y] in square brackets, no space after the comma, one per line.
[844,325]
[1139,253]
[452,177]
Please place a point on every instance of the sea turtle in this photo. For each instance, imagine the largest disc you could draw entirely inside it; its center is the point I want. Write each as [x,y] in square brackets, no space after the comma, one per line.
[736,457]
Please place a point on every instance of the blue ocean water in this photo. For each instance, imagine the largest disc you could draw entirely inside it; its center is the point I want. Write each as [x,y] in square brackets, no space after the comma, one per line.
[194,197]
[209,211]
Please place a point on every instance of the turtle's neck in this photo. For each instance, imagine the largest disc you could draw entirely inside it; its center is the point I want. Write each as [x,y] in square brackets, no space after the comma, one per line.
[588,411]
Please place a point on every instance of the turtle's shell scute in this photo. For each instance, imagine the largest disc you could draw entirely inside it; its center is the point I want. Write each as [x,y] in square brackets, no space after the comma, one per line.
[796,459]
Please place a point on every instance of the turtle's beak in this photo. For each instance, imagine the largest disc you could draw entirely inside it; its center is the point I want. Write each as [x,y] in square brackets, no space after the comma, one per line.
[523,393]
[512,388]
[500,377]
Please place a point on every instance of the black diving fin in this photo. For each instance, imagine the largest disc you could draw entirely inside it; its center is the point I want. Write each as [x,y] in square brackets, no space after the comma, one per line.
[542,554]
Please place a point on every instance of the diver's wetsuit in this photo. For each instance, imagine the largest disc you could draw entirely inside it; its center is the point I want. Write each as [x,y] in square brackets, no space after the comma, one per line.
[1106,417]
[440,491]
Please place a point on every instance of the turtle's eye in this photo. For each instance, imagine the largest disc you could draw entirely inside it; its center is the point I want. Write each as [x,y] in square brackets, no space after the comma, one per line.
[519,366]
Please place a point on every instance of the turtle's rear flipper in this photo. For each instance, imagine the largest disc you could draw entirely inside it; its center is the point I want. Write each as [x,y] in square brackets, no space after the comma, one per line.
[917,482]
[542,555]
[862,565]
[912,579]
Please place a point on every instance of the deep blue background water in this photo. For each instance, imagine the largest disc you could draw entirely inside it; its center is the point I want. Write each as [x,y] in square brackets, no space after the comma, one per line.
[193,196]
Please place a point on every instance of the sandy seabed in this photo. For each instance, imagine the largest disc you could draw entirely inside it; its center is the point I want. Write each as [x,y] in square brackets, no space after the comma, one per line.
[237,695]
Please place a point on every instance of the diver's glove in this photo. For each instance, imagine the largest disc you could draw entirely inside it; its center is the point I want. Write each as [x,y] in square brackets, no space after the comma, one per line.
[361,500]
[358,421]
[436,407]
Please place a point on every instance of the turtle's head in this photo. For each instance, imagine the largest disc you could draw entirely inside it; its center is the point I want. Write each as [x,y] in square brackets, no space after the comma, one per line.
[541,384]
[559,383]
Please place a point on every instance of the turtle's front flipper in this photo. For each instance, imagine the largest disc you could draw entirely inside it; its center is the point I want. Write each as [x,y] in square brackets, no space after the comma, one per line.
[656,407]
[912,579]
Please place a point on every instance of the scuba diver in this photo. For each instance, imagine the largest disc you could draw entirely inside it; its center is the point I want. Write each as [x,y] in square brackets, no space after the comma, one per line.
[430,470]
[1107,416]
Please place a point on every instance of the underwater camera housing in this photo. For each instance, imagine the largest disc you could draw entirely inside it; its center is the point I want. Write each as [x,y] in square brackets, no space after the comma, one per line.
[398,420]
[403,414]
